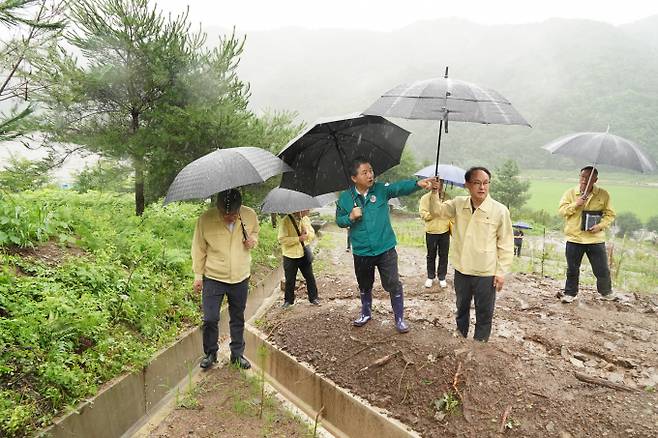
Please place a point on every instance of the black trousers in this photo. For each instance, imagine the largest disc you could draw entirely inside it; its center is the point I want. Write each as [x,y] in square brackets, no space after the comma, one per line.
[517,249]
[211,298]
[387,265]
[437,244]
[290,267]
[598,258]
[483,292]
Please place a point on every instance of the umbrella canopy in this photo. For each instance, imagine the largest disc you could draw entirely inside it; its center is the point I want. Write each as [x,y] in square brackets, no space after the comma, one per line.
[224,169]
[522,225]
[603,148]
[320,156]
[446,99]
[447,172]
[280,200]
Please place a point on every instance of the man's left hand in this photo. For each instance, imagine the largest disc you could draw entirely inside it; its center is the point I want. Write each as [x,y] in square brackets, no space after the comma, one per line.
[499,281]
[595,228]
[249,243]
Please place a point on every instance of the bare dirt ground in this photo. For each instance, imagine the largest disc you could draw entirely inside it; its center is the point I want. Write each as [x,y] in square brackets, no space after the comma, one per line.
[584,369]
[226,403]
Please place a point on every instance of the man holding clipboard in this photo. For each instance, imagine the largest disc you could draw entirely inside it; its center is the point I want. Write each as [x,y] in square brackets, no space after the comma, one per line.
[587,212]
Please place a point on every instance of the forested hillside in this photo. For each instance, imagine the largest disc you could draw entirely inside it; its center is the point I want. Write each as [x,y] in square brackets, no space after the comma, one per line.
[562,75]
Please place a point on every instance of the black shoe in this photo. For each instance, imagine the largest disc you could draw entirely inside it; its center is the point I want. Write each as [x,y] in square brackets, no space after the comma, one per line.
[286,304]
[315,302]
[241,362]
[208,360]
[361,320]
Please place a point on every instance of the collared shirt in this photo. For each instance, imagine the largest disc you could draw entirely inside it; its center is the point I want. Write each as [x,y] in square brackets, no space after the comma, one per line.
[482,242]
[433,223]
[372,234]
[218,251]
[291,247]
[598,200]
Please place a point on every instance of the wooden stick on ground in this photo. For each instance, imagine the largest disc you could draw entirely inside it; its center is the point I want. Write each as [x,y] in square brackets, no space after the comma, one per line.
[379,341]
[505,415]
[602,382]
[381,361]
[402,375]
[455,381]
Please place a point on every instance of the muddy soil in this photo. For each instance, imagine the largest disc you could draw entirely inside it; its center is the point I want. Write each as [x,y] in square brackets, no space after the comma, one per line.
[226,403]
[530,379]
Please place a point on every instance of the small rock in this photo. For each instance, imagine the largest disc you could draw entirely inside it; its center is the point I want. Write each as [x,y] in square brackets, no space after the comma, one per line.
[565,435]
[626,362]
[580,356]
[577,363]
[616,377]
[610,367]
[565,353]
[550,427]
[609,345]
[592,363]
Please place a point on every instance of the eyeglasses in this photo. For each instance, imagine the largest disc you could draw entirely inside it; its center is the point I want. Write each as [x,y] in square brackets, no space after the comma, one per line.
[479,183]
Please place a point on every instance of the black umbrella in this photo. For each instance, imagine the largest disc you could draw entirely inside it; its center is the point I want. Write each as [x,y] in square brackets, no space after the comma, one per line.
[446,100]
[285,201]
[603,148]
[522,225]
[320,155]
[224,169]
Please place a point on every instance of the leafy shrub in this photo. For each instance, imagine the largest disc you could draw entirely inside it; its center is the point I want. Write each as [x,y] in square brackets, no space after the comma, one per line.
[120,290]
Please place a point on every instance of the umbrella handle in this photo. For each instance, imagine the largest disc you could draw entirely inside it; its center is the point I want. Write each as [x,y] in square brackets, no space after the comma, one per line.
[244,230]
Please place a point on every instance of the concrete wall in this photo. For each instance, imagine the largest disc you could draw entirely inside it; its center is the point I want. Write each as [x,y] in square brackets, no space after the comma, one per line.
[344,415]
[129,398]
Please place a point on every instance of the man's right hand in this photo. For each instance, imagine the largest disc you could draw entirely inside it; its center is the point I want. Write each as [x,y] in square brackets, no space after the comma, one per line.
[198,285]
[580,201]
[356,214]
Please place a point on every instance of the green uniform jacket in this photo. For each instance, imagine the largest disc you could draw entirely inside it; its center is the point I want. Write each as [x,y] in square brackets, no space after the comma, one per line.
[372,234]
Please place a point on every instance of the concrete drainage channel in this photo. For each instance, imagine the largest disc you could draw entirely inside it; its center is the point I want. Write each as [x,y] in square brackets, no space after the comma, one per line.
[129,401]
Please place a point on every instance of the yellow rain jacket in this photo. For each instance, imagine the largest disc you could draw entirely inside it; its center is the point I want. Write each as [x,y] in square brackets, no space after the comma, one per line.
[289,239]
[217,251]
[433,223]
[598,200]
[482,242]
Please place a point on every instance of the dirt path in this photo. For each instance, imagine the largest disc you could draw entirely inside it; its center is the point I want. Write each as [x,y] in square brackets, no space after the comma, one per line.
[227,403]
[529,380]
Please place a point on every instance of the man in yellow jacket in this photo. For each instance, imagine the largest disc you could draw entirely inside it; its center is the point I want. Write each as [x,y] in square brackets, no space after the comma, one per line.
[587,212]
[221,260]
[295,235]
[437,240]
[482,250]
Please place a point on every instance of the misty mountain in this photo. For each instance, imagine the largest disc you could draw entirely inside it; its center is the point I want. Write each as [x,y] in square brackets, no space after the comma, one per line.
[562,75]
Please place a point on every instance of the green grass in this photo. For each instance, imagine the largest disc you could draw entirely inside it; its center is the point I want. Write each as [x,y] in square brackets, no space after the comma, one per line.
[635,193]
[114,289]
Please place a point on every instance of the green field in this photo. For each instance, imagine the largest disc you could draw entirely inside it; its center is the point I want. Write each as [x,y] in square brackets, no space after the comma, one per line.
[629,193]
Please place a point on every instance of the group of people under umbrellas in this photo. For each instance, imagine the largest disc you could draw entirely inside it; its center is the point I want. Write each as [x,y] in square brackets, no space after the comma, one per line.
[345,154]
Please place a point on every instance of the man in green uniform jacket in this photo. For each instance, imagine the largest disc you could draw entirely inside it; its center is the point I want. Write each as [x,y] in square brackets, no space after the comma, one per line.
[364,209]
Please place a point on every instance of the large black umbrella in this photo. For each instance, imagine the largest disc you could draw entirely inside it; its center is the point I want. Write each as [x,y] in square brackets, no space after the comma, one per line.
[446,100]
[320,155]
[224,169]
[603,148]
[285,201]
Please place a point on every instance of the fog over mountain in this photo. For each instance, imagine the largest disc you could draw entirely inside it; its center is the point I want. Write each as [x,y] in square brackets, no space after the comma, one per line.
[562,75]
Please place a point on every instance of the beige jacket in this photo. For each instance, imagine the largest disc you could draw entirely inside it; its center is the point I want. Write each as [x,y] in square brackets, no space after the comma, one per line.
[218,252]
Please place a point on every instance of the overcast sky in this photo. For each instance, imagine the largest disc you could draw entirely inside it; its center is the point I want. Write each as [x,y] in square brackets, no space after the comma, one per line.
[388,15]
